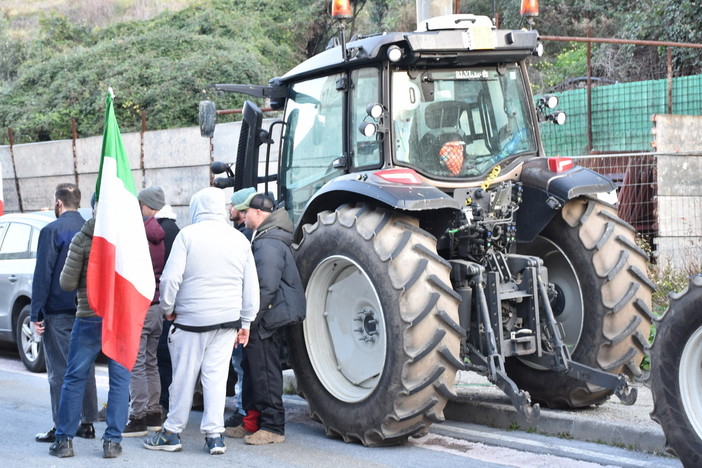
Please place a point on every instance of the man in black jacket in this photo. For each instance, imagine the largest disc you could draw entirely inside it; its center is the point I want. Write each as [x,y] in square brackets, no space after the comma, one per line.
[54,310]
[282,303]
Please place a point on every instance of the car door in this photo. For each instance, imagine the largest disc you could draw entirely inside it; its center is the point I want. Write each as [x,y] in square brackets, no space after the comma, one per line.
[16,269]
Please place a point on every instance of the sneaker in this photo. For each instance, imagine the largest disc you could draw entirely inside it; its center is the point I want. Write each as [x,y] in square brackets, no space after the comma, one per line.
[164,440]
[154,422]
[86,431]
[111,449]
[234,420]
[103,412]
[263,437]
[215,445]
[237,432]
[62,448]
[49,436]
[136,427]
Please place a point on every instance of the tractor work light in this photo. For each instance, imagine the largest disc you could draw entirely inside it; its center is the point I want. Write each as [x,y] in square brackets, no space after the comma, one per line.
[341,9]
[529,8]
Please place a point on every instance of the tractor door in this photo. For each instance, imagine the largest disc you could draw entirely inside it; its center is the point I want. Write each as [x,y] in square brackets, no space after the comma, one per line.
[315,145]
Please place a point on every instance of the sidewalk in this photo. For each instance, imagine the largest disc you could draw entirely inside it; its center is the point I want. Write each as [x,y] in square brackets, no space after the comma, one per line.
[612,423]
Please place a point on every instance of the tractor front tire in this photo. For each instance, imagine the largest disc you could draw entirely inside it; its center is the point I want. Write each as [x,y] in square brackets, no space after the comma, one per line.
[377,355]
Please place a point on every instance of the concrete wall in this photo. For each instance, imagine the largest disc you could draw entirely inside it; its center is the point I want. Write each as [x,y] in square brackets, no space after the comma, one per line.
[178,160]
[679,180]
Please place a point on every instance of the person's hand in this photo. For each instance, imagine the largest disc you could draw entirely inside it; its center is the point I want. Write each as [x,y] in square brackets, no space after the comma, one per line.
[242,338]
[170,317]
[39,327]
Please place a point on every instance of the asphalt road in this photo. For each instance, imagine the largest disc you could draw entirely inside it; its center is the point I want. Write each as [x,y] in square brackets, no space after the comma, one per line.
[25,410]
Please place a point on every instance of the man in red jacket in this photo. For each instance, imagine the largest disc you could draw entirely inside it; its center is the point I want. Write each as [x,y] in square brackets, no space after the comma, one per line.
[145,386]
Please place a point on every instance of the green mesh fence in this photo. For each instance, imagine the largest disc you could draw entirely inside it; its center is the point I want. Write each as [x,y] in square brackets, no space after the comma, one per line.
[621,115]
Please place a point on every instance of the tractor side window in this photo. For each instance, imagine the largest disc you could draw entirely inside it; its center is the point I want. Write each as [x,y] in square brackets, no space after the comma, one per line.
[365,89]
[313,139]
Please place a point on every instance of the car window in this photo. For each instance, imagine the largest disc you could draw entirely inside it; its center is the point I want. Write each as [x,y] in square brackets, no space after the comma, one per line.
[3,229]
[15,245]
[35,243]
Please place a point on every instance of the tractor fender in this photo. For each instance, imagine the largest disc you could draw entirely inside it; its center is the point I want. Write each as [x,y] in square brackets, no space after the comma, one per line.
[433,208]
[545,192]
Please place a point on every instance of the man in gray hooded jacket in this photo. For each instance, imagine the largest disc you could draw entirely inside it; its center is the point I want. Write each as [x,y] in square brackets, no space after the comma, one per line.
[209,288]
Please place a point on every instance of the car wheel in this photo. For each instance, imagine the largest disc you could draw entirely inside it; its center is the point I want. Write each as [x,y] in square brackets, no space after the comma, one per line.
[31,351]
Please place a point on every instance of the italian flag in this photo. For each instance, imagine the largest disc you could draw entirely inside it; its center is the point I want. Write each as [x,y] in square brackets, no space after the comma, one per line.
[120,277]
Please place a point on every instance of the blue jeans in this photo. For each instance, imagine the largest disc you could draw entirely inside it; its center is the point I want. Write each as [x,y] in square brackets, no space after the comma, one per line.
[86,342]
[237,357]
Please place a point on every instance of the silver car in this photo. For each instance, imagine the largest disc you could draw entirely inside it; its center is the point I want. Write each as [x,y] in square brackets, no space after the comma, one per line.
[19,235]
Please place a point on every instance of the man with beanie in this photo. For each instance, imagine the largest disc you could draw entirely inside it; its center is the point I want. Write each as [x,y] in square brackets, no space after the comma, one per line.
[282,303]
[53,310]
[145,386]
[153,203]
[209,288]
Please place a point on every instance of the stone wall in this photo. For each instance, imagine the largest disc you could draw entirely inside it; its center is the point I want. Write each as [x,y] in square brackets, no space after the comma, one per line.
[176,159]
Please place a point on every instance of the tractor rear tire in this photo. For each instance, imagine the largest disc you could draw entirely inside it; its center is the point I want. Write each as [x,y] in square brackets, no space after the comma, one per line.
[377,355]
[604,303]
[676,374]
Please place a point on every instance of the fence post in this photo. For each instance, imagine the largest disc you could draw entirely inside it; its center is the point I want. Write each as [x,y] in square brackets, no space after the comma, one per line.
[74,136]
[14,168]
[670,80]
[141,155]
[589,91]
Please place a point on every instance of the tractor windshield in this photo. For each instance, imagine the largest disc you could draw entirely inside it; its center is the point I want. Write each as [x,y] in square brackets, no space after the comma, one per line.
[460,122]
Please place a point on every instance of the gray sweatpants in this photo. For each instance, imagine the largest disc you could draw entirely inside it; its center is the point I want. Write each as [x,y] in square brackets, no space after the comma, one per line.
[57,336]
[206,354]
[145,386]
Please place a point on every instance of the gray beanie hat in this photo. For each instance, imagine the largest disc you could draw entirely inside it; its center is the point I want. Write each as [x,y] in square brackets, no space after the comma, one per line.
[152,197]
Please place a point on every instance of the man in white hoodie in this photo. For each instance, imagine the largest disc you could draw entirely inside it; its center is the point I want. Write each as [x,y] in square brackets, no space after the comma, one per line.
[209,288]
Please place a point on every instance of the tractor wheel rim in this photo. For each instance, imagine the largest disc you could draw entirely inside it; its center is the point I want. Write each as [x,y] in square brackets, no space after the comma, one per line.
[690,380]
[344,329]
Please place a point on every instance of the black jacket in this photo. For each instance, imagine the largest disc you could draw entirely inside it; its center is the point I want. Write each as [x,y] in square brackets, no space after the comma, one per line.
[282,295]
[171,229]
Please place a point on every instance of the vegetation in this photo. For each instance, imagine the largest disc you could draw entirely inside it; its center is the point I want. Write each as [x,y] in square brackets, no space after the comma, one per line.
[161,66]
[57,58]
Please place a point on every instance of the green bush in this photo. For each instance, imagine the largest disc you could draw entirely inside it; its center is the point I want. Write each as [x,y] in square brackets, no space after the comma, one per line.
[161,67]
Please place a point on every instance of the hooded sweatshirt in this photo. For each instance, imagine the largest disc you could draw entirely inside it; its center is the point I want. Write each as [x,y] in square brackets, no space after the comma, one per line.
[210,277]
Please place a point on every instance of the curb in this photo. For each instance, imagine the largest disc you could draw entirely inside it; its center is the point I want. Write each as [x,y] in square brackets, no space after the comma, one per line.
[558,423]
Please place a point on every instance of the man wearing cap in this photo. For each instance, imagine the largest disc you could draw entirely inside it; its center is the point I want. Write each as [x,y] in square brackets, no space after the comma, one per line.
[236,215]
[153,203]
[282,303]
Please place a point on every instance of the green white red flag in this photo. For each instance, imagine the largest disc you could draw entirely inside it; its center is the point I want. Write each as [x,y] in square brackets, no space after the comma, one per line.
[120,277]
